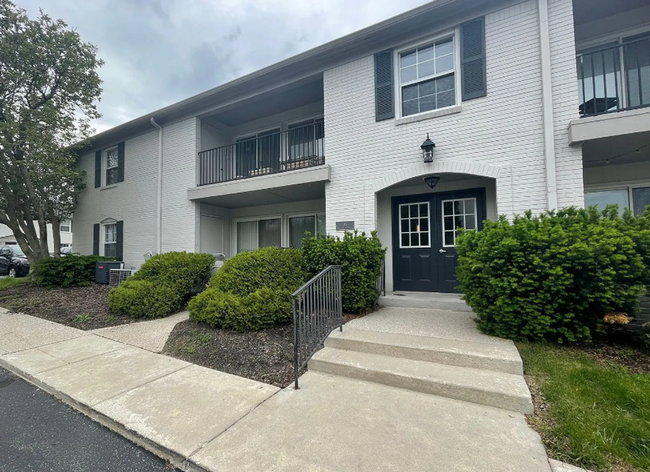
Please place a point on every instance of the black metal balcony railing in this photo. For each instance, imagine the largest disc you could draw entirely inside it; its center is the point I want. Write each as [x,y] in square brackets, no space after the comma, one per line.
[267,153]
[317,311]
[614,78]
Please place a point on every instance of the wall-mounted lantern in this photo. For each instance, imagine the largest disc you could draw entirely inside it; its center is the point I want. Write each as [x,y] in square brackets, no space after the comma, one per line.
[432,180]
[427,149]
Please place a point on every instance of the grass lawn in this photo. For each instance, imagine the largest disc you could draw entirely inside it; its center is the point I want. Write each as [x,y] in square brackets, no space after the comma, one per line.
[592,409]
[7,282]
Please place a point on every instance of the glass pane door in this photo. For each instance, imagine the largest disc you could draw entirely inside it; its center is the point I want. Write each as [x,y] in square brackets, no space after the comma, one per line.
[270,233]
[246,236]
[457,214]
[297,228]
[608,197]
[637,70]
[641,199]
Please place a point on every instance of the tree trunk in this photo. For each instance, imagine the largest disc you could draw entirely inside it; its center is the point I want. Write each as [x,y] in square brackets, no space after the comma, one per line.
[56,236]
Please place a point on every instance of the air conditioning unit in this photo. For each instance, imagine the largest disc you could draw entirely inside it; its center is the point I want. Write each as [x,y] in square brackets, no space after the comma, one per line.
[117,276]
[103,268]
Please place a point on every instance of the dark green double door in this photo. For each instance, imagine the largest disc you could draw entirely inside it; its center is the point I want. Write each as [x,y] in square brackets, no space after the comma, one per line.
[425,228]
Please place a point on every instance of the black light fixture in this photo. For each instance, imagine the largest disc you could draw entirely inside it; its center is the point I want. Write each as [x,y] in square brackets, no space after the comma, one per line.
[427,149]
[432,180]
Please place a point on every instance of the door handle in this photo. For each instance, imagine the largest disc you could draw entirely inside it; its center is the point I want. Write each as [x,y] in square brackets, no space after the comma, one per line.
[441,251]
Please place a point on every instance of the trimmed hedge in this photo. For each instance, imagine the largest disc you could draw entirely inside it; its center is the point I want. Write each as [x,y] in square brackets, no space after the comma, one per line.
[553,276]
[162,285]
[272,267]
[360,258]
[69,271]
[251,291]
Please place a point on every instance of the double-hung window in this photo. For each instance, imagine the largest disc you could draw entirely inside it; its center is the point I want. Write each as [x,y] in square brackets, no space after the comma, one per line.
[110,240]
[111,167]
[427,77]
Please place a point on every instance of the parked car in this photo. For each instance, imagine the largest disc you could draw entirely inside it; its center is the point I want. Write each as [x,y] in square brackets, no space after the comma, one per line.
[13,261]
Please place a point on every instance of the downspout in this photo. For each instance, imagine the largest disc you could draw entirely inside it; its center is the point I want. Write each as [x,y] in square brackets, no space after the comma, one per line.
[159,193]
[547,106]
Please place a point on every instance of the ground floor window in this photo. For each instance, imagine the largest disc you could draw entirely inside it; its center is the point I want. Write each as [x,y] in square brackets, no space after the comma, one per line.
[110,240]
[259,233]
[299,225]
[635,198]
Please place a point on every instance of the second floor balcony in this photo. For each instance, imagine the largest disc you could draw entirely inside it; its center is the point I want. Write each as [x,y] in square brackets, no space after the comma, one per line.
[269,152]
[614,77]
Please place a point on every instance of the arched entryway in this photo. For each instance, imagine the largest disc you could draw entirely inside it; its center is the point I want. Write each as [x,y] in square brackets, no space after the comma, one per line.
[418,224]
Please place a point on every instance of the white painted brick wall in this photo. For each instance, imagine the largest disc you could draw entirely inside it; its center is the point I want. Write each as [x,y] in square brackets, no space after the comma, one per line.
[503,129]
[565,103]
[179,215]
[132,201]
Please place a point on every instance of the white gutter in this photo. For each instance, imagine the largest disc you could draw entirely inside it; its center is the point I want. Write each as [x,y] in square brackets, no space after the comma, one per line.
[547,106]
[159,194]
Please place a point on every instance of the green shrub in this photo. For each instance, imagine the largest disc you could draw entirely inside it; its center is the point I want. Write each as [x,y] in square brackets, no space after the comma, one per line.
[252,290]
[161,285]
[272,267]
[145,298]
[259,310]
[360,258]
[68,271]
[554,276]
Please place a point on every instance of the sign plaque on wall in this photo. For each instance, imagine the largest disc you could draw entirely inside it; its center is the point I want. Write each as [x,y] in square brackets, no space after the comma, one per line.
[345,226]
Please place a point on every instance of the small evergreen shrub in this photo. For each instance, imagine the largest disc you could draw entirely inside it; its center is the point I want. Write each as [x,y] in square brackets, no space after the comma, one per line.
[69,271]
[145,298]
[360,258]
[554,276]
[262,309]
[271,267]
[161,285]
[251,291]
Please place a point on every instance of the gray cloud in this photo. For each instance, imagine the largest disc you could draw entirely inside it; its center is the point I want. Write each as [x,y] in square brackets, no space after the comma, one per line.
[158,52]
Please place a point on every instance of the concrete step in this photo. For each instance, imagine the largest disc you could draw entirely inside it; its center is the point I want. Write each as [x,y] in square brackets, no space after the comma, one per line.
[501,357]
[438,301]
[495,389]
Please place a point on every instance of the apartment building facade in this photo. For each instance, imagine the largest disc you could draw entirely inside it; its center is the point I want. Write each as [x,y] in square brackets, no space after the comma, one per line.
[531,105]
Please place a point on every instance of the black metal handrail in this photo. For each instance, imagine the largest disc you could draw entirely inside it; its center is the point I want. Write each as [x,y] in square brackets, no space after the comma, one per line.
[614,78]
[317,311]
[267,153]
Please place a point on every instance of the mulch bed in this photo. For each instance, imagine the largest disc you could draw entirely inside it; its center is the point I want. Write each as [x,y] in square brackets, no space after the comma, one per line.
[265,356]
[80,307]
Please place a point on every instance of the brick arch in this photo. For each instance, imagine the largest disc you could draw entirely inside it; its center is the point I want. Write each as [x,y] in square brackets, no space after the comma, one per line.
[442,166]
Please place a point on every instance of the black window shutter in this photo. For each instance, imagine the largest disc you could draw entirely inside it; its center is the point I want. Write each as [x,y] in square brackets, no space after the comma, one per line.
[96,239]
[119,250]
[384,101]
[120,162]
[472,51]
[98,169]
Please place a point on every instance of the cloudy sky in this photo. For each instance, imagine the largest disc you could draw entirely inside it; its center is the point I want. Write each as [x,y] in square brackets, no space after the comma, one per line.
[160,51]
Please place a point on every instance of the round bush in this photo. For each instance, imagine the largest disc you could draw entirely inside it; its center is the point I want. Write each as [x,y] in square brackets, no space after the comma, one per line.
[259,310]
[271,267]
[145,299]
[550,277]
[161,285]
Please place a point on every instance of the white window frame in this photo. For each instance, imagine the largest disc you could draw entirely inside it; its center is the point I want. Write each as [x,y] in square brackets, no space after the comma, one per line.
[65,223]
[287,229]
[103,242]
[429,216]
[105,167]
[255,219]
[455,35]
[442,221]
[627,185]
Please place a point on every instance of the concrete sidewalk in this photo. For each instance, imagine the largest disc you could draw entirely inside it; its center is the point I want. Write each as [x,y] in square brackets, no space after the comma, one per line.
[204,420]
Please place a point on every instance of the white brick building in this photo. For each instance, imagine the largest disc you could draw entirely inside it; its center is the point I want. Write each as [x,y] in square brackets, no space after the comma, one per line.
[531,104]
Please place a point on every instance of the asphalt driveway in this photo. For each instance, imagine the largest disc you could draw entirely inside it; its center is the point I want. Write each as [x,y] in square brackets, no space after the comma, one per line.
[39,433]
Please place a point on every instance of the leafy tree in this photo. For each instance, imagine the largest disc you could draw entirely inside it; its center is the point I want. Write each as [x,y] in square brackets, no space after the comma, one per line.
[49,87]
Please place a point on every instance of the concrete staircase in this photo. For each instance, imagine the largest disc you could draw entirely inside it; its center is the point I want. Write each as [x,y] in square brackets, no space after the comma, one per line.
[488,374]
[438,301]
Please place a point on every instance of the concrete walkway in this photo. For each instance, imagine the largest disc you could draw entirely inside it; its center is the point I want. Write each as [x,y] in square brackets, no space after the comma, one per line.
[204,420]
[150,335]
